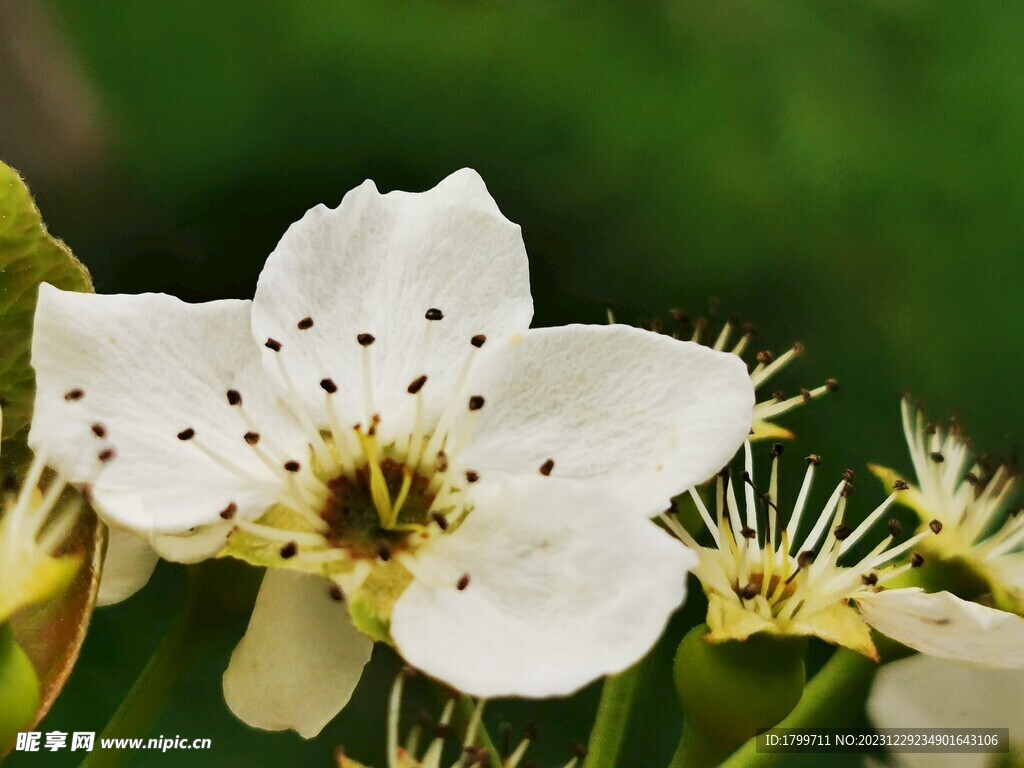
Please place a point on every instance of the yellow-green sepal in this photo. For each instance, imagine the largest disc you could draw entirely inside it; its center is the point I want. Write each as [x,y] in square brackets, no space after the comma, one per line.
[372,604]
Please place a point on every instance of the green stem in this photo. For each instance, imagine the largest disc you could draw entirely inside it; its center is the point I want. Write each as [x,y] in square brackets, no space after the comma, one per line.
[617,697]
[184,643]
[826,703]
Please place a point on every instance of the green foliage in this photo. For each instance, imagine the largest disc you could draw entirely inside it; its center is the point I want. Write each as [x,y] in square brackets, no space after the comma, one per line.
[28,257]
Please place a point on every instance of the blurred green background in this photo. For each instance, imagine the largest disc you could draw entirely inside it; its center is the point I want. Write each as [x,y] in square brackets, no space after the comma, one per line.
[847,174]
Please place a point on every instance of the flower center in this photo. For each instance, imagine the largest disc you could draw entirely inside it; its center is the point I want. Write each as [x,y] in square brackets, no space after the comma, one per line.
[757,561]
[372,514]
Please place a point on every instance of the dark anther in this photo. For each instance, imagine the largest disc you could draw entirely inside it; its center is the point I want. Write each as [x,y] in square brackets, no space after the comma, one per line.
[814,459]
[336,593]
[434,314]
[273,345]
[292,466]
[384,553]
[842,532]
[99,430]
[579,751]
[187,434]
[765,357]
[107,454]
[229,511]
[74,394]
[936,526]
[917,560]
[463,582]
[234,397]
[472,476]
[900,485]
[937,457]
[305,324]
[546,467]
[441,520]
[749,592]
[417,384]
[805,394]
[328,386]
[251,437]
[973,479]
[777,449]
[365,339]
[289,550]
[476,402]
[895,527]
[478,340]
[847,490]
[870,580]
[805,558]
[441,462]
[747,533]
[778,396]
[849,475]
[532,732]
[442,731]
[832,385]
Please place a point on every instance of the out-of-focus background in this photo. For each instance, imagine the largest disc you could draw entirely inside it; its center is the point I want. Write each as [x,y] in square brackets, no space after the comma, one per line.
[846,174]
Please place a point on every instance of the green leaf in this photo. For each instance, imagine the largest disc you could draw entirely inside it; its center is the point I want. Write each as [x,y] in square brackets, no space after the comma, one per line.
[28,257]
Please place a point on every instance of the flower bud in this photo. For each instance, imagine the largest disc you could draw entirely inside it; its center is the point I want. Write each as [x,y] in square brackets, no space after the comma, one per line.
[730,691]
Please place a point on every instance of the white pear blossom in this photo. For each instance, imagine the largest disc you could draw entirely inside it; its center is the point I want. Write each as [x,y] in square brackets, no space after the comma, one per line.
[761,575]
[982,528]
[412,754]
[380,426]
[34,523]
[924,692]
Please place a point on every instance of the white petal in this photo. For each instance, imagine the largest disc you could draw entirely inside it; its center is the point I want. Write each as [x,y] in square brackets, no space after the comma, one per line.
[127,566]
[151,366]
[192,546]
[634,411]
[925,692]
[375,265]
[300,659]
[942,625]
[562,588]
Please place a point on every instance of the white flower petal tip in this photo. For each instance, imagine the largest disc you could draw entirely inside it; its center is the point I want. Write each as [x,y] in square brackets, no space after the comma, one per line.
[763,366]
[543,601]
[300,659]
[649,416]
[944,626]
[974,503]
[127,566]
[765,572]
[119,378]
